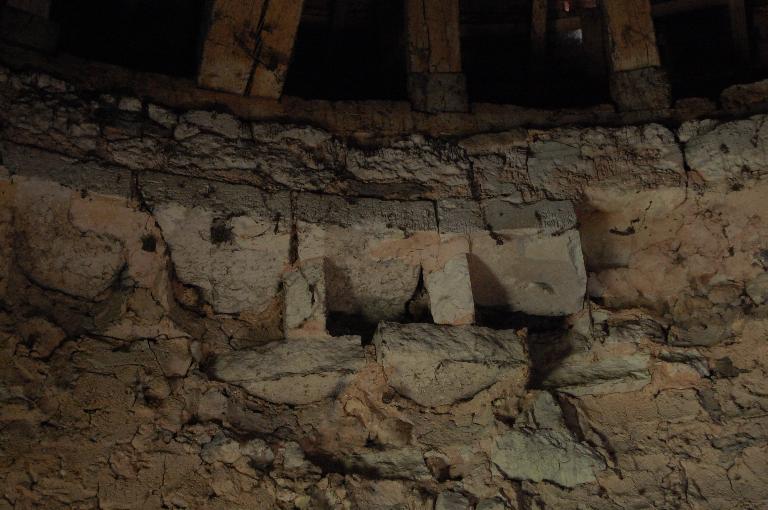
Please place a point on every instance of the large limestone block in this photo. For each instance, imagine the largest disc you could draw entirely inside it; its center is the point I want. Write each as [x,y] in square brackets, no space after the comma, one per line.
[373,250]
[550,455]
[232,242]
[730,152]
[526,257]
[295,372]
[55,254]
[535,274]
[437,365]
[82,176]
[562,161]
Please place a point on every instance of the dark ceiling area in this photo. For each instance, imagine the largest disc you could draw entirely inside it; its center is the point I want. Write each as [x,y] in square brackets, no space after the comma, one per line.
[355,49]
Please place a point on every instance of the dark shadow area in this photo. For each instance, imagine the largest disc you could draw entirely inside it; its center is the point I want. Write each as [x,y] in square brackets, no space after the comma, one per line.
[503,318]
[495,49]
[502,66]
[343,324]
[546,350]
[697,51]
[147,35]
[349,49]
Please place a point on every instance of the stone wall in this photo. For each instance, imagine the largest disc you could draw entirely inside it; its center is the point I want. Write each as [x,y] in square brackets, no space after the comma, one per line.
[201,312]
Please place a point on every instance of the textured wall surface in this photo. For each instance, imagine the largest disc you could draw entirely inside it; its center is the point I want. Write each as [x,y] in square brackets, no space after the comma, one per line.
[201,312]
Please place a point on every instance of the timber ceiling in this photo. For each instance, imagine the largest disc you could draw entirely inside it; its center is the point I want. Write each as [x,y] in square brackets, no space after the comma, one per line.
[442,55]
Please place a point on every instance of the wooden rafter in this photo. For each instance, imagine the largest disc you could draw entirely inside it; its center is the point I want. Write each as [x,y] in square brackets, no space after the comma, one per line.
[637,81]
[248,46]
[433,36]
[631,36]
[435,81]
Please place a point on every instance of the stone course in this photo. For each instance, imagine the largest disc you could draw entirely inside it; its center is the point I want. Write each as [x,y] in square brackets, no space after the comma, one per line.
[198,311]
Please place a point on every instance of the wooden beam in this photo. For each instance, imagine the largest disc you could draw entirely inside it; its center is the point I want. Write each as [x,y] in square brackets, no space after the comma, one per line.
[248,46]
[435,81]
[631,37]
[275,49]
[739,30]
[637,81]
[432,28]
[539,28]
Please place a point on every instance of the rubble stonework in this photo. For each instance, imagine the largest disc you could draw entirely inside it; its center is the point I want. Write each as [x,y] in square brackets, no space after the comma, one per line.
[201,312]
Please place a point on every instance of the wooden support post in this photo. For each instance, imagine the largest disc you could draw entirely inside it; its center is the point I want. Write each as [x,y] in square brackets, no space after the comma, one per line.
[637,80]
[435,80]
[739,30]
[539,28]
[248,46]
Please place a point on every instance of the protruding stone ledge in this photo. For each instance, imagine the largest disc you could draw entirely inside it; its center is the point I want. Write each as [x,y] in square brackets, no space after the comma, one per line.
[409,216]
[499,214]
[84,176]
[728,154]
[296,372]
[439,365]
[219,197]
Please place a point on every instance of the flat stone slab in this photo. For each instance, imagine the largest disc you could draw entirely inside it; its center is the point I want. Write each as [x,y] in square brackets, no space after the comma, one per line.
[549,455]
[297,372]
[411,216]
[437,365]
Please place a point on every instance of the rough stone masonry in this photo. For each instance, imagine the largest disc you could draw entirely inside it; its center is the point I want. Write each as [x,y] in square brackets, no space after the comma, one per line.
[202,312]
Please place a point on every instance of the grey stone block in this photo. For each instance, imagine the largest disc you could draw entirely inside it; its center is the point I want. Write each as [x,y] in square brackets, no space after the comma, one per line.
[343,212]
[33,163]
[219,197]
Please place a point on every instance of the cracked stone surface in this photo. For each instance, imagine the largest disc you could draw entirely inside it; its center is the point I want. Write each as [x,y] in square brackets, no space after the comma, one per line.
[292,372]
[200,311]
[435,365]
